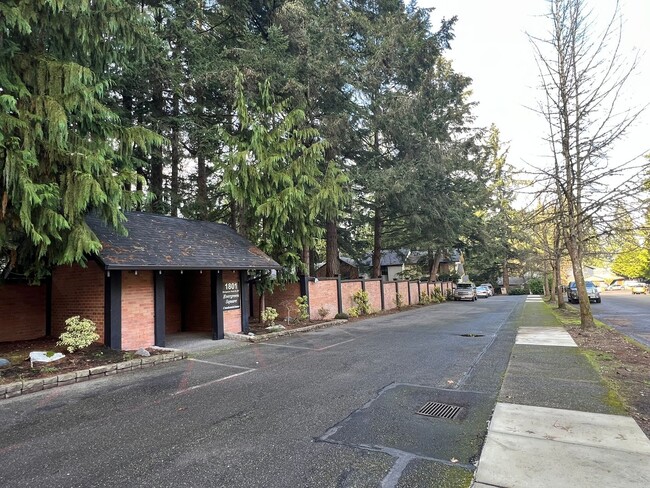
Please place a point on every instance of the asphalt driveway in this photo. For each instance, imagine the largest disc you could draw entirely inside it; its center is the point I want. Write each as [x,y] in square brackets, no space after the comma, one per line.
[334,407]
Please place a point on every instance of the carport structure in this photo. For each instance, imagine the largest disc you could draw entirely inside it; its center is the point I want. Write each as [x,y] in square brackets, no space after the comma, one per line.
[166,275]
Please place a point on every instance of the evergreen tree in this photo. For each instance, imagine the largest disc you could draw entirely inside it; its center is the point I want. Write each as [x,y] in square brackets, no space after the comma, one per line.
[61,146]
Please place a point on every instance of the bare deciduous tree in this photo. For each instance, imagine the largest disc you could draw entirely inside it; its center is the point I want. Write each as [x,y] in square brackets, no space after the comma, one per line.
[583,77]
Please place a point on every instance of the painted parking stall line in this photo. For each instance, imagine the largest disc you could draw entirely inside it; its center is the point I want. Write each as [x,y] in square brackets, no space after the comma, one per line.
[212,382]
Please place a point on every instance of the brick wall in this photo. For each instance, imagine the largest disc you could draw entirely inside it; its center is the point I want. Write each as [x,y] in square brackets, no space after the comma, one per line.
[373,288]
[22,312]
[402,288]
[349,288]
[323,294]
[232,318]
[173,302]
[283,299]
[389,294]
[415,298]
[78,291]
[137,310]
[198,306]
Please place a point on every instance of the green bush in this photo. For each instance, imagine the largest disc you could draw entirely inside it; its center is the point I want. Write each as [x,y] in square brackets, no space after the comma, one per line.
[536,286]
[269,314]
[362,301]
[79,334]
[342,315]
[399,300]
[303,307]
[354,312]
[518,291]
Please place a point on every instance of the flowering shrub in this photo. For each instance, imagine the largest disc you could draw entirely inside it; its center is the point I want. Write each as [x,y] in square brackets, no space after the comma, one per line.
[269,314]
[303,307]
[79,334]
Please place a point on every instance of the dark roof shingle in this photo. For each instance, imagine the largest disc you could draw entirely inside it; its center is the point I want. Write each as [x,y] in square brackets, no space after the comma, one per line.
[162,242]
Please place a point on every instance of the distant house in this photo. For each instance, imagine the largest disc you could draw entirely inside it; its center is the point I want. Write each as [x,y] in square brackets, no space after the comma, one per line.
[397,263]
[347,266]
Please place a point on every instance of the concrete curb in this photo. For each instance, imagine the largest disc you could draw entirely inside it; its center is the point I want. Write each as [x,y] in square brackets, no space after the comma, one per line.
[272,335]
[11,390]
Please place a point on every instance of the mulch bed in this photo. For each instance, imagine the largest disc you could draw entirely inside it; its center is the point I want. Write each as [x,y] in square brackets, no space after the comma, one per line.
[624,364]
[18,354]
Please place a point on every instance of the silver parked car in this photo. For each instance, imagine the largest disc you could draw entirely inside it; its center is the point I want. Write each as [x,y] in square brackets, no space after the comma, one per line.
[465,291]
[592,292]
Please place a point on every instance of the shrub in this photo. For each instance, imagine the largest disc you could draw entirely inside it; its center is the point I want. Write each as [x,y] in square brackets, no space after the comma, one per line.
[362,301]
[353,312]
[518,291]
[269,314]
[437,294]
[450,295]
[323,312]
[424,298]
[342,315]
[303,307]
[536,286]
[399,300]
[79,334]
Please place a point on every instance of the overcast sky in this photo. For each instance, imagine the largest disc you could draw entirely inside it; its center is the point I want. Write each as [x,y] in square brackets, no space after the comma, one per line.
[492,48]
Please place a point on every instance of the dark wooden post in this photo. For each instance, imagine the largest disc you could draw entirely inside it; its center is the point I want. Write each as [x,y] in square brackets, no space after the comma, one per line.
[339,293]
[244,297]
[216,304]
[159,308]
[381,292]
[113,309]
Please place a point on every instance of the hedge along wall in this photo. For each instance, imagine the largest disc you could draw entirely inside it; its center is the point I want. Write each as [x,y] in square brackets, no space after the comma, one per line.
[323,294]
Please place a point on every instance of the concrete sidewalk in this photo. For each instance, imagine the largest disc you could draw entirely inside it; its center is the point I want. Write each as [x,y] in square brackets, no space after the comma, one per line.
[553,425]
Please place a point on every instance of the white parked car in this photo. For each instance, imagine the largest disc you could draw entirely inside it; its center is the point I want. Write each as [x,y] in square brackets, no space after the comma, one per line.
[482,291]
[489,287]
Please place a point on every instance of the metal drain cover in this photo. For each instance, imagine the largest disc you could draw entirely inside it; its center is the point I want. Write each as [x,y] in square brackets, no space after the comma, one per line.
[439,410]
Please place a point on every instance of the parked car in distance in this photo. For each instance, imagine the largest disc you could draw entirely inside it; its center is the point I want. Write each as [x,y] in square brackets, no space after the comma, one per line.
[592,292]
[482,291]
[465,291]
[489,287]
[614,287]
[639,288]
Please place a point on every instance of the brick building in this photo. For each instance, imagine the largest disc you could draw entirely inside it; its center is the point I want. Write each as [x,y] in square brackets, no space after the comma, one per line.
[167,275]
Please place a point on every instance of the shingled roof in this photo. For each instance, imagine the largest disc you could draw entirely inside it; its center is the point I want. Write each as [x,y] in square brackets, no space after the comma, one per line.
[162,242]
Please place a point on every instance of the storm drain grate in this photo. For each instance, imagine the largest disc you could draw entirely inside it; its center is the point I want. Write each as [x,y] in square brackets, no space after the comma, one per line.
[440,410]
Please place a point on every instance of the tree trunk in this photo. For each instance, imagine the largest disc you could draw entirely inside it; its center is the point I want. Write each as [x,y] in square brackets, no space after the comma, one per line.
[202,187]
[306,261]
[175,198]
[156,171]
[586,317]
[332,265]
[433,271]
[506,277]
[376,251]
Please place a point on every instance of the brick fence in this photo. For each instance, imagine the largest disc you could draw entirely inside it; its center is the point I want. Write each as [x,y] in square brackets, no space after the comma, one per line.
[330,296]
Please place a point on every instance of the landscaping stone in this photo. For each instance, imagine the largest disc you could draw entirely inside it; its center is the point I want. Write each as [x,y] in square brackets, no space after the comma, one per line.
[43,357]
[4,363]
[32,385]
[143,353]
[98,370]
